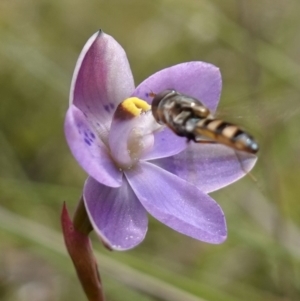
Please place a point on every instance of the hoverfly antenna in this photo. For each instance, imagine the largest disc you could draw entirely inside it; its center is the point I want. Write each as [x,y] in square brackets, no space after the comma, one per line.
[151,94]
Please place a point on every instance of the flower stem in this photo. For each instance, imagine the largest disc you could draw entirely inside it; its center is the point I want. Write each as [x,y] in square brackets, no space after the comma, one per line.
[80,250]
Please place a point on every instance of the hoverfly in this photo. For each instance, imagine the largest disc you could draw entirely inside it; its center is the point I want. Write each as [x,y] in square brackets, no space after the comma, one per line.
[188,117]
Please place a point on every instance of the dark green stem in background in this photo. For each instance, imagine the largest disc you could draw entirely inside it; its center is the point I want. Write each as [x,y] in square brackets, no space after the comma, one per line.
[80,220]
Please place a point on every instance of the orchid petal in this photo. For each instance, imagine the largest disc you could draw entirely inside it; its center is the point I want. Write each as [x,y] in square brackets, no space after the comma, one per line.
[166,144]
[210,166]
[102,79]
[177,203]
[89,150]
[197,79]
[116,214]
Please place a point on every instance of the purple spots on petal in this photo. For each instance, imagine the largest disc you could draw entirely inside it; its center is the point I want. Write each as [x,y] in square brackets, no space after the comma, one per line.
[98,124]
[150,94]
[79,128]
[87,141]
[89,137]
[109,107]
[106,108]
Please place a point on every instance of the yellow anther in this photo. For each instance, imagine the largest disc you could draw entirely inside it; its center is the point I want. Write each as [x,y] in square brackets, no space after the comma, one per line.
[135,106]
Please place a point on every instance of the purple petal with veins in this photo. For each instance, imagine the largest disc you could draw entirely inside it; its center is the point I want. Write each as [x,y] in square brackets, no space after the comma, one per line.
[197,79]
[116,214]
[209,167]
[101,80]
[177,203]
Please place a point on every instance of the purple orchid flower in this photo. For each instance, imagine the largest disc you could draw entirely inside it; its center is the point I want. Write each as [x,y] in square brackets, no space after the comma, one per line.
[136,166]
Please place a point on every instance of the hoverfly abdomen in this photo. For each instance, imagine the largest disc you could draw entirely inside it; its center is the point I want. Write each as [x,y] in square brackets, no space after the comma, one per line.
[225,133]
[188,117]
[246,142]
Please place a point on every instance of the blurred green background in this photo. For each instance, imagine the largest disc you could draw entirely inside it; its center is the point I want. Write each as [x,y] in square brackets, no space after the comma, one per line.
[255,43]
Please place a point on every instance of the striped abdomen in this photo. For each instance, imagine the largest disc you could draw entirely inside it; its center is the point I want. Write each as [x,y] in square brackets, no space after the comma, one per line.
[225,133]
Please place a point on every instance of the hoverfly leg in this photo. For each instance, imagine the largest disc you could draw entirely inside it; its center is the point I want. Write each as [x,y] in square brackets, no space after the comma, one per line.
[252,177]
[181,118]
[178,122]
[199,140]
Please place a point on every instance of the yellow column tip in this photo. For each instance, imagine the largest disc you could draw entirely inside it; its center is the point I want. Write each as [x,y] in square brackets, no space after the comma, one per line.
[135,106]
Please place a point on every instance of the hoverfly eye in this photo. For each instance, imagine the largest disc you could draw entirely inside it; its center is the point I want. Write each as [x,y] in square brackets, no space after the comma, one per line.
[156,101]
[158,97]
